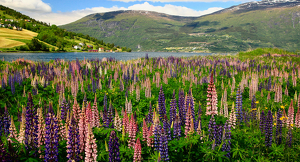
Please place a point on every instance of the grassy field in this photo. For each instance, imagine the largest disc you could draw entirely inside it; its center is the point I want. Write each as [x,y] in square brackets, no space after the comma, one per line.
[9,38]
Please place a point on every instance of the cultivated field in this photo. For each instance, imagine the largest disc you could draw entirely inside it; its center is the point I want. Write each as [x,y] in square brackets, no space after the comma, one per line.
[7,37]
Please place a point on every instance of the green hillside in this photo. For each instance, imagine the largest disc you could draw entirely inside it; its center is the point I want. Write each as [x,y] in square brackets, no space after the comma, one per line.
[19,32]
[229,31]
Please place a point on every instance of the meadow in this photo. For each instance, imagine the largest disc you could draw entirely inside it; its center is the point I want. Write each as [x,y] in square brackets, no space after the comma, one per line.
[243,107]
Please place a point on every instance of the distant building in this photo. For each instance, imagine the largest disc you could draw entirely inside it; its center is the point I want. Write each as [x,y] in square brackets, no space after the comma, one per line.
[90,46]
[81,44]
[101,49]
[93,51]
[77,47]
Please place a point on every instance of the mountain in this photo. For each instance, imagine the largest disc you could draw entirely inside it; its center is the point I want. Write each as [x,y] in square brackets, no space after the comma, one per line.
[19,32]
[238,28]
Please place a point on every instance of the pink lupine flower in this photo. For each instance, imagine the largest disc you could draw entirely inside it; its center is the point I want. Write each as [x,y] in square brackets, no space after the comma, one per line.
[82,130]
[126,122]
[145,130]
[212,98]
[89,115]
[91,146]
[149,134]
[76,110]
[132,132]
[290,119]
[137,157]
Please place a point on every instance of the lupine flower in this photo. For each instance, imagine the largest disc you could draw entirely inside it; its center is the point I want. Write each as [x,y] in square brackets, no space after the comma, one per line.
[51,137]
[289,138]
[181,107]
[91,146]
[21,136]
[212,129]
[117,121]
[219,131]
[239,106]
[262,122]
[253,108]
[278,136]
[177,128]
[212,98]
[290,115]
[161,104]
[226,140]
[95,113]
[73,142]
[76,110]
[126,122]
[113,144]
[132,132]
[150,114]
[5,122]
[173,108]
[137,157]
[157,133]
[89,114]
[12,130]
[82,130]
[149,139]
[63,109]
[31,127]
[163,146]
[145,130]
[232,117]
[269,129]
[188,121]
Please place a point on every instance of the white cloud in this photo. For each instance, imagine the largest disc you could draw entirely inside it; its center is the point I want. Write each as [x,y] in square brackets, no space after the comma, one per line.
[61,18]
[27,5]
[184,0]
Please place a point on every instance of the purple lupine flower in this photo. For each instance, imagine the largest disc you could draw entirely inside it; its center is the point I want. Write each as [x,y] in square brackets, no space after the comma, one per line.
[31,125]
[110,114]
[12,84]
[3,84]
[199,117]
[289,138]
[181,107]
[157,133]
[73,142]
[278,136]
[190,102]
[63,109]
[161,104]
[212,128]
[269,129]
[51,137]
[166,126]
[239,107]
[114,151]
[94,87]
[150,114]
[219,132]
[177,128]
[163,146]
[4,122]
[173,108]
[262,122]
[227,137]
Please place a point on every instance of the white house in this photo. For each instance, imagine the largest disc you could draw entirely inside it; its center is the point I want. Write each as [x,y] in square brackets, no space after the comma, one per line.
[77,47]
[81,44]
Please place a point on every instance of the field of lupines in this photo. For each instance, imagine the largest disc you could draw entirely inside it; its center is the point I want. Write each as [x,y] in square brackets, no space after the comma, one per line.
[215,108]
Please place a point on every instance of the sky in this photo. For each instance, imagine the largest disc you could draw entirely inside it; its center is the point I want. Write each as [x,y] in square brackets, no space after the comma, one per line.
[61,12]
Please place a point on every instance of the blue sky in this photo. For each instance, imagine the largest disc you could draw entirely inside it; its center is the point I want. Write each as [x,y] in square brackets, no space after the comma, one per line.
[65,11]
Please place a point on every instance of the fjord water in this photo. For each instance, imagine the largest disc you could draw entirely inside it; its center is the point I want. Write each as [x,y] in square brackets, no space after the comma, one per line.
[91,55]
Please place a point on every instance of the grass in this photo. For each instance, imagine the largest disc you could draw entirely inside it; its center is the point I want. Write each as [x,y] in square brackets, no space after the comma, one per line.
[11,38]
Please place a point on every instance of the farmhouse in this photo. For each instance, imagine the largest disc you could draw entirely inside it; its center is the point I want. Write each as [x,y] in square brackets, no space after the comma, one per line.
[101,49]
[77,47]
[81,44]
[90,46]
[93,51]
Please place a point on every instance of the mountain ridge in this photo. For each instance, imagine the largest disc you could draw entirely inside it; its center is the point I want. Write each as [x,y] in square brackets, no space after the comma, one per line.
[230,30]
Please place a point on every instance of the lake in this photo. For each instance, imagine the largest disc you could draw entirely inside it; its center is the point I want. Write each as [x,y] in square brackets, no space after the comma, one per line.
[91,55]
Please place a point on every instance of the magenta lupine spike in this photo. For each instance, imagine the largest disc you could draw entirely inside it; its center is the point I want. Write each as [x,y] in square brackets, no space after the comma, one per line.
[211,98]
[149,139]
[145,130]
[297,119]
[91,146]
[89,115]
[137,157]
[82,130]
[95,113]
[290,120]
[126,122]
[132,132]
